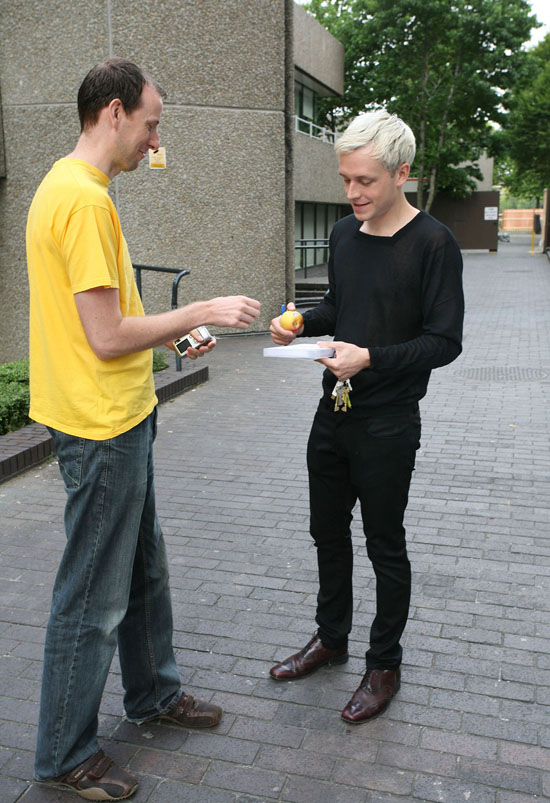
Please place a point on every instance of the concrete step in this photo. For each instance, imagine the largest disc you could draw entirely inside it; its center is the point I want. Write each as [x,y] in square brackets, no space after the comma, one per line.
[307,294]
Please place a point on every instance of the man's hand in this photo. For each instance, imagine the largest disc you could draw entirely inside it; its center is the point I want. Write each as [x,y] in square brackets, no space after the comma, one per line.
[191,352]
[201,350]
[348,361]
[236,311]
[280,336]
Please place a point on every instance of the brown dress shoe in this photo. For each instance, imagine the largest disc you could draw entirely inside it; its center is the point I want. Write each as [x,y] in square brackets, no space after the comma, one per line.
[373,696]
[97,778]
[310,658]
[193,713]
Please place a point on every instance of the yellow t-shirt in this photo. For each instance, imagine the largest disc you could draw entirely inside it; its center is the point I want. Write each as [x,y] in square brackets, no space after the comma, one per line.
[75,243]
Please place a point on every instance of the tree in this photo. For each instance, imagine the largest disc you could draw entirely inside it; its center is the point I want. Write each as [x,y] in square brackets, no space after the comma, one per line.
[445,66]
[523,146]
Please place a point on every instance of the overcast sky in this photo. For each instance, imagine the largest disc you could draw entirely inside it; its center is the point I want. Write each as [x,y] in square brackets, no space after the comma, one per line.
[542,10]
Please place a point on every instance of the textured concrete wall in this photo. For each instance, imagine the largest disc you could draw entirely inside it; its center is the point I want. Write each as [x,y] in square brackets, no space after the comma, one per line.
[316,175]
[318,53]
[45,50]
[2,152]
[218,209]
[222,207]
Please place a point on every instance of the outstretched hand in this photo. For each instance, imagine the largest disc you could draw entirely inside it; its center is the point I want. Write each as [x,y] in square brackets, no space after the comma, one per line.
[348,360]
[235,311]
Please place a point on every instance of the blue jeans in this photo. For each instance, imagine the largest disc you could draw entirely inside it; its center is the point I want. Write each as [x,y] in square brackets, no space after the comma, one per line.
[111,588]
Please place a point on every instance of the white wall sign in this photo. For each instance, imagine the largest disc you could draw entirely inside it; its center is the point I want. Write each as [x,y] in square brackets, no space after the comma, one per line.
[491,213]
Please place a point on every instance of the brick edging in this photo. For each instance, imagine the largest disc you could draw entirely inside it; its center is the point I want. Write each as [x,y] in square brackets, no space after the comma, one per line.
[27,447]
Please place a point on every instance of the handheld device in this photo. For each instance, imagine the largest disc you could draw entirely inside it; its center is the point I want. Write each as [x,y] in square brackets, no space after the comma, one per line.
[183,343]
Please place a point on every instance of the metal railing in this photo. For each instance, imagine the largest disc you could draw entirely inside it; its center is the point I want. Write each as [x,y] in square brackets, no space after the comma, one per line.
[315,131]
[309,244]
[175,285]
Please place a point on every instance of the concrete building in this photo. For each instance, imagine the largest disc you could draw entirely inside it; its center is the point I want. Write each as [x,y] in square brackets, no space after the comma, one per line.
[224,205]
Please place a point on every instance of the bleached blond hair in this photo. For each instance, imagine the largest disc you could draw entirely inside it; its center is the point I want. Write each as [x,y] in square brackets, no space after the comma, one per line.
[392,140]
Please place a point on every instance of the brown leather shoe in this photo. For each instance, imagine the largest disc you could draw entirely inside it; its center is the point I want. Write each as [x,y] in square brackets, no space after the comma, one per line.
[373,696]
[193,713]
[310,658]
[97,778]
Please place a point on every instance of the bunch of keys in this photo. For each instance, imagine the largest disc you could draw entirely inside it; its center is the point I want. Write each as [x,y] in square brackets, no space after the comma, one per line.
[340,394]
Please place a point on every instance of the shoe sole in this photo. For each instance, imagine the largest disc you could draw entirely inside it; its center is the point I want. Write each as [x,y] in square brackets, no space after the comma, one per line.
[341,659]
[87,794]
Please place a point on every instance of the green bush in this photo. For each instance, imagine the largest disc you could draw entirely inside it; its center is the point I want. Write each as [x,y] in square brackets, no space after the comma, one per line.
[14,395]
[15,372]
[160,361]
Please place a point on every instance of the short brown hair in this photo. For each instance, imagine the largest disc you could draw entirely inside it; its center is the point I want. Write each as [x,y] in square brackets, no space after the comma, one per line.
[114,78]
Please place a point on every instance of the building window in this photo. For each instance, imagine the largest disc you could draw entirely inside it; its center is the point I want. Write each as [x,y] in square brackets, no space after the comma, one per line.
[313,224]
[305,105]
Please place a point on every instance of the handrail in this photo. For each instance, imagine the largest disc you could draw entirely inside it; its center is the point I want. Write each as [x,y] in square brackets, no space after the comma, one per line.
[175,284]
[314,131]
[317,242]
[309,244]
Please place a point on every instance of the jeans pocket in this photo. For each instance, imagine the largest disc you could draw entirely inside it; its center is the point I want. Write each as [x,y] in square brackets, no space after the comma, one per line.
[69,451]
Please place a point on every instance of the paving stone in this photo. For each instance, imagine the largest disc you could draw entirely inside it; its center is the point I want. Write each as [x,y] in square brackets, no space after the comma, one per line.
[242,704]
[20,765]
[11,789]
[170,792]
[446,790]
[150,735]
[460,744]
[500,728]
[517,779]
[20,711]
[14,734]
[212,745]
[502,688]
[288,760]
[244,779]
[425,715]
[516,797]
[417,758]
[169,765]
[513,710]
[373,776]
[267,732]
[354,745]
[307,790]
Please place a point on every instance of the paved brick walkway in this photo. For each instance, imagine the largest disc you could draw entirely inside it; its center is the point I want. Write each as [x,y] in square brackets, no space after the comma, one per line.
[472,719]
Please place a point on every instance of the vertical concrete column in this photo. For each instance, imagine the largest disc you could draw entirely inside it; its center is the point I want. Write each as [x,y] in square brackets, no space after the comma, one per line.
[289,148]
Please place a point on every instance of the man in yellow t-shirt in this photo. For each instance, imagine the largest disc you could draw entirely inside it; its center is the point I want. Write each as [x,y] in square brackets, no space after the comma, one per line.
[92,386]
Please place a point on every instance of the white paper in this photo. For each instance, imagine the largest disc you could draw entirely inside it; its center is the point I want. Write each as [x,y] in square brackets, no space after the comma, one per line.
[301,351]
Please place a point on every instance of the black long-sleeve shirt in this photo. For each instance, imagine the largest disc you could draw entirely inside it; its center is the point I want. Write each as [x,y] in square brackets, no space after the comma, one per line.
[401,297]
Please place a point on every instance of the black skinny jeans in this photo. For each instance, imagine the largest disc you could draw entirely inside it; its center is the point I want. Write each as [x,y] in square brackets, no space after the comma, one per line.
[355,456]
